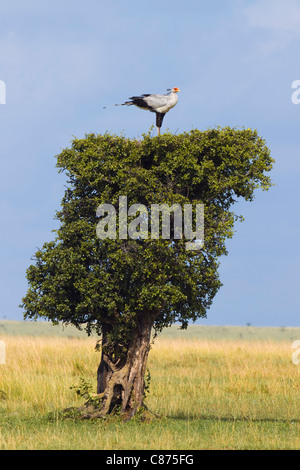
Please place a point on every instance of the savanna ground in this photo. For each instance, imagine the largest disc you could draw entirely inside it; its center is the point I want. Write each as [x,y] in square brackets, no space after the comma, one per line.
[212,388]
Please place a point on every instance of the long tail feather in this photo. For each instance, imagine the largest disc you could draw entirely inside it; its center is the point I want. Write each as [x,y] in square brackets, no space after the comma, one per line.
[127,103]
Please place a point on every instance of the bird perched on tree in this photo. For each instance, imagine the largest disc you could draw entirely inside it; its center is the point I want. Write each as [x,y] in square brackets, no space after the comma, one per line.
[158,104]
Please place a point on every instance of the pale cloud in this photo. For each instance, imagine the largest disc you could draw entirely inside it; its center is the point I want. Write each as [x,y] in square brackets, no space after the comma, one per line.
[275,15]
[279,19]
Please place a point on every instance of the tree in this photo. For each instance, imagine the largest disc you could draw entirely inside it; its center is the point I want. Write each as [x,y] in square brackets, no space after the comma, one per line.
[126,288]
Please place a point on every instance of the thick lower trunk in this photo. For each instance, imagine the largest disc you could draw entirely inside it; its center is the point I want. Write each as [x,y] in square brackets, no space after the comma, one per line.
[120,382]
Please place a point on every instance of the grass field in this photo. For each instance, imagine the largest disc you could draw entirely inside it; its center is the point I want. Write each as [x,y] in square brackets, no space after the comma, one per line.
[212,387]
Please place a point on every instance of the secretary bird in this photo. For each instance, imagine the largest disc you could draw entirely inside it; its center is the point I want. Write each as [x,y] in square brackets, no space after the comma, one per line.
[158,104]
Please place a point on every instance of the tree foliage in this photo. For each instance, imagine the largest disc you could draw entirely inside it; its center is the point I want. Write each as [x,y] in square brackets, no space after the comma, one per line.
[111,285]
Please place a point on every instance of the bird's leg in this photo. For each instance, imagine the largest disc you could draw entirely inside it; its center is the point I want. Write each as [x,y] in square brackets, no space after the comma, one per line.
[159,120]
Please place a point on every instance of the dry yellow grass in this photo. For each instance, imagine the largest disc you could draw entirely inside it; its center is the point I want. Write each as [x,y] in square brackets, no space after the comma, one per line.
[39,371]
[237,379]
[210,394]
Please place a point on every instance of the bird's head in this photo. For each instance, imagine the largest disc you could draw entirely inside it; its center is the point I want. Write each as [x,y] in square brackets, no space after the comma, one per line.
[175,89]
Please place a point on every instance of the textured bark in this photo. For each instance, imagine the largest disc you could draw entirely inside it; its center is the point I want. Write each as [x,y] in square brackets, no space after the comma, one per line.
[121,382]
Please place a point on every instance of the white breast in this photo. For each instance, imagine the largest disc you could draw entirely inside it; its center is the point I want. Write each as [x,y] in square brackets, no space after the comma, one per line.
[170,103]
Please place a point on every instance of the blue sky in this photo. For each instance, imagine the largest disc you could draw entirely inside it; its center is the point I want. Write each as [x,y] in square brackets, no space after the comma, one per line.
[234,62]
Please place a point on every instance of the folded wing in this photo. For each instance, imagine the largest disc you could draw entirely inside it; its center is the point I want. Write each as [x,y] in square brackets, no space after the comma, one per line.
[147,101]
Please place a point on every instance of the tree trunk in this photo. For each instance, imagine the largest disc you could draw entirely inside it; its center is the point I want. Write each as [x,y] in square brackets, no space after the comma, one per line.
[120,382]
